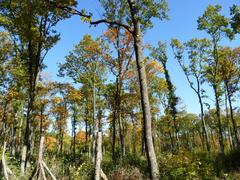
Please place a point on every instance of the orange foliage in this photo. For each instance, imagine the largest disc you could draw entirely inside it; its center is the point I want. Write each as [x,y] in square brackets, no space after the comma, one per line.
[80,136]
[50,142]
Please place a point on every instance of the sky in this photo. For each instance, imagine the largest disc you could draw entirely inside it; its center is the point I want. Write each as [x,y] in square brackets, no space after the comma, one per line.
[182,25]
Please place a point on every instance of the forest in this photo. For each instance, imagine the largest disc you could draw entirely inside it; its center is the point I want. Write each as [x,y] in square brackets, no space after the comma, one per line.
[114,111]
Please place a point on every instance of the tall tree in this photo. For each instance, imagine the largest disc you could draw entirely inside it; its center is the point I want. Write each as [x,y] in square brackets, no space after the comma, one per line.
[84,65]
[229,73]
[34,34]
[235,18]
[160,54]
[136,18]
[198,51]
[216,25]
[122,42]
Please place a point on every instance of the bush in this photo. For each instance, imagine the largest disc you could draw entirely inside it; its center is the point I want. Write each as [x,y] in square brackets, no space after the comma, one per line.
[83,172]
[184,165]
[126,173]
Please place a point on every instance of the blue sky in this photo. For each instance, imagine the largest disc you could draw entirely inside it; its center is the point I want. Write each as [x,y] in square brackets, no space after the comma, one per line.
[182,25]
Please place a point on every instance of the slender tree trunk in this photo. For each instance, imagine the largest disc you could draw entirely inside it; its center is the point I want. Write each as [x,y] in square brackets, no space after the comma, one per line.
[115,112]
[14,136]
[121,134]
[236,133]
[61,141]
[204,124]
[20,135]
[114,135]
[74,134]
[86,131]
[94,123]
[231,144]
[221,140]
[134,136]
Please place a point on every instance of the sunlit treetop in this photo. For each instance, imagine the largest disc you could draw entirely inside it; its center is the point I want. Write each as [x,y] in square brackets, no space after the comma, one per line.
[145,11]
[215,24]
[235,20]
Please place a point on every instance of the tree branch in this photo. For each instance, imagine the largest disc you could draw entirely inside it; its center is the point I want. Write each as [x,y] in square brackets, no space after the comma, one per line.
[74,11]
[68,9]
[128,28]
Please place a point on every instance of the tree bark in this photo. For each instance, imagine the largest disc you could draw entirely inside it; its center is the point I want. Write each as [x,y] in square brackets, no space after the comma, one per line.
[151,156]
[98,156]
[95,124]
[204,124]
[221,140]
[234,123]
[74,133]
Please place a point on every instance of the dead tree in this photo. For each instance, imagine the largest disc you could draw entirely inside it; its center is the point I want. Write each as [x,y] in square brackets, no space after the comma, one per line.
[8,174]
[41,166]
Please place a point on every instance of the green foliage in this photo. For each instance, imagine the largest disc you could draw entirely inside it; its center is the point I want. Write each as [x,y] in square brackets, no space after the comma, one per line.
[146,10]
[82,172]
[235,20]
[184,165]
[214,23]
[84,64]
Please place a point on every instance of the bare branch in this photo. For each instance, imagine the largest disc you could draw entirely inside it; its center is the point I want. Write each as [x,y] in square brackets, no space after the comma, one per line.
[128,28]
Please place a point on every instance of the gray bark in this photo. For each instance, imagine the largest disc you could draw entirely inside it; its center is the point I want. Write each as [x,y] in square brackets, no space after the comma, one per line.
[151,156]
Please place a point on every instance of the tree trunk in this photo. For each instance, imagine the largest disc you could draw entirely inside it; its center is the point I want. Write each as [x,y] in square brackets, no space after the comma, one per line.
[98,156]
[172,101]
[151,156]
[236,133]
[114,135]
[114,121]
[74,134]
[204,124]
[94,123]
[229,133]
[86,131]
[121,134]
[221,140]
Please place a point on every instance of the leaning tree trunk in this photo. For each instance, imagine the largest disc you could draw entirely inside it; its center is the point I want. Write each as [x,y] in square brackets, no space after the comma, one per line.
[151,156]
[204,124]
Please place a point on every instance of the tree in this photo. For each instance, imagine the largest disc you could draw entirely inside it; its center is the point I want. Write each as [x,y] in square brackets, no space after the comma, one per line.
[198,51]
[229,73]
[137,18]
[84,65]
[216,25]
[160,54]
[235,19]
[34,34]
[122,42]
[74,98]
